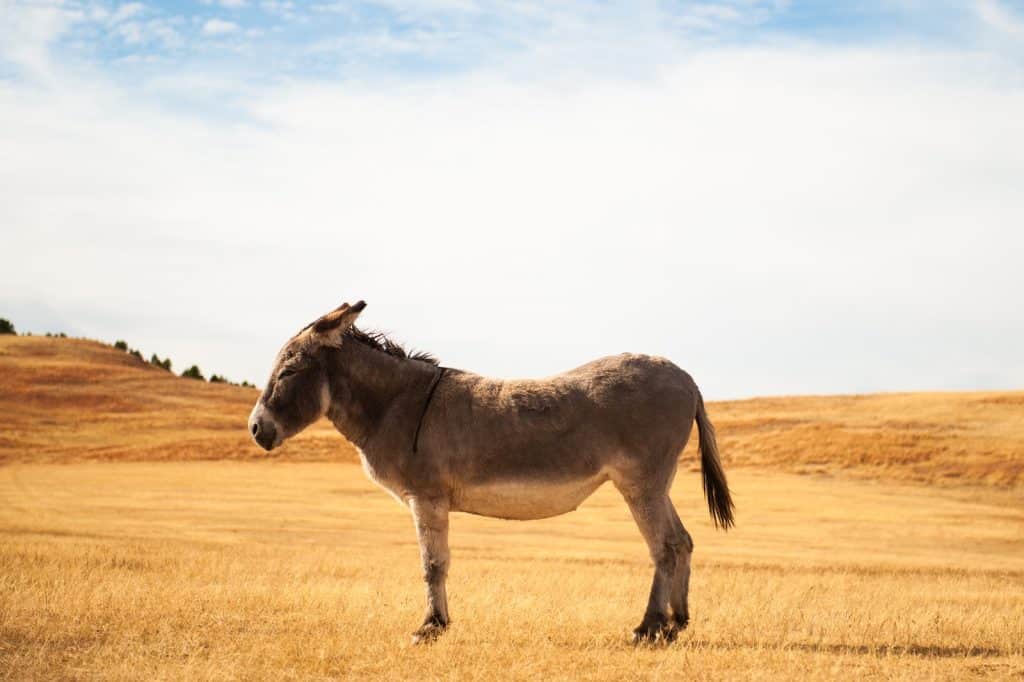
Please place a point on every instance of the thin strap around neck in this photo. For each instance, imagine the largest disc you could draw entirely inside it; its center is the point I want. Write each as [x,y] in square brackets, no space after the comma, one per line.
[426,406]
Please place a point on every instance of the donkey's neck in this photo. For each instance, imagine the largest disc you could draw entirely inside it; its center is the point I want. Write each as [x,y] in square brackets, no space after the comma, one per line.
[369,387]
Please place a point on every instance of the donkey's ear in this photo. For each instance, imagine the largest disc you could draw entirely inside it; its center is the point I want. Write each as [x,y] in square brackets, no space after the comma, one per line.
[331,326]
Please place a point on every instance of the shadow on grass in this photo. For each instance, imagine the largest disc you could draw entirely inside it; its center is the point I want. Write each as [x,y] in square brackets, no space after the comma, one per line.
[878,650]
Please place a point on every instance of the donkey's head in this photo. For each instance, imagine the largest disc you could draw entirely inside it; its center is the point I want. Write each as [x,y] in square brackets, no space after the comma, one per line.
[298,392]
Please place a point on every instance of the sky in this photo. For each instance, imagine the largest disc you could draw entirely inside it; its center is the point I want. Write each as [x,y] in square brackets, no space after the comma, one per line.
[782,197]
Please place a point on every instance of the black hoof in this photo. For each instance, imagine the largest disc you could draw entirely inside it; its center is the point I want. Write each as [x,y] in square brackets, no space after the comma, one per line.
[431,629]
[680,620]
[655,630]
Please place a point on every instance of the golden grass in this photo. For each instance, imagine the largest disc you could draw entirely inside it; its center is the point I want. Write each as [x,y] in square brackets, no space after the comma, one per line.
[273,570]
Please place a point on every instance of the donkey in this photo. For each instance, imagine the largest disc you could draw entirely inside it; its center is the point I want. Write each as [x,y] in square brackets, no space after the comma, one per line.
[443,440]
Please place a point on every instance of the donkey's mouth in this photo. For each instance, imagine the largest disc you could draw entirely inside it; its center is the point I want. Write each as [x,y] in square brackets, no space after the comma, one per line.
[266,446]
[264,432]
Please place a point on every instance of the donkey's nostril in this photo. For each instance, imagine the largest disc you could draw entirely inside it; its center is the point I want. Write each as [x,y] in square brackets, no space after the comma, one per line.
[255,428]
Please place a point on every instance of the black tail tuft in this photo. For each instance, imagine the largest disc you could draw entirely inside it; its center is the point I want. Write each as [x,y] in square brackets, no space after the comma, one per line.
[716,488]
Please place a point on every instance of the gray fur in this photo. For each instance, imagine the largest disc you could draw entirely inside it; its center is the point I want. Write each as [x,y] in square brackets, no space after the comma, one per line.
[516,449]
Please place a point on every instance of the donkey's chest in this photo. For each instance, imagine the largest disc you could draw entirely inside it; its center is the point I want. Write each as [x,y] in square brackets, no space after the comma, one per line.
[377,475]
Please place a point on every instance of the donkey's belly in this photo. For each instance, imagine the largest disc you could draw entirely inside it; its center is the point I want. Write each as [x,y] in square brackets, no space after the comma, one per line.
[525,499]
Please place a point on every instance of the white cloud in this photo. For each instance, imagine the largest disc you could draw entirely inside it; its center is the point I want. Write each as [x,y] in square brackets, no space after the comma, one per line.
[381,43]
[165,32]
[159,31]
[130,32]
[721,12]
[284,7]
[774,220]
[127,11]
[333,7]
[998,17]
[219,27]
[27,31]
[434,7]
[229,4]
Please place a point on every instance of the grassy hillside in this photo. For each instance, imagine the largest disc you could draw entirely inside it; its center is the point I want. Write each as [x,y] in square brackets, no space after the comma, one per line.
[68,399]
[71,399]
[975,437]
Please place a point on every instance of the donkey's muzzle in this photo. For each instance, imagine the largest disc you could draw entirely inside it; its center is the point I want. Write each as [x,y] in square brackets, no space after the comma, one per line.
[263,432]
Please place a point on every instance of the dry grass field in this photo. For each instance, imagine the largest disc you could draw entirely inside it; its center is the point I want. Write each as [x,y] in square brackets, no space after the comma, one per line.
[240,570]
[877,537]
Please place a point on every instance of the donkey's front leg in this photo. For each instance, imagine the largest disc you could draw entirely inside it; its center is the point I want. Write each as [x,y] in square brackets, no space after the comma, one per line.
[431,518]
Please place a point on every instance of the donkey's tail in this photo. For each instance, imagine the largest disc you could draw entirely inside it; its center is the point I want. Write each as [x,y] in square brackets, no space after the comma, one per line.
[716,488]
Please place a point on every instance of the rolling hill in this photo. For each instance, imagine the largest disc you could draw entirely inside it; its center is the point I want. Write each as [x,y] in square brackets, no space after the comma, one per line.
[65,400]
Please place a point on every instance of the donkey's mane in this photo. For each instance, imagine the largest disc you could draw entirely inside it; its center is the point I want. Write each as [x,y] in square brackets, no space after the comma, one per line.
[379,341]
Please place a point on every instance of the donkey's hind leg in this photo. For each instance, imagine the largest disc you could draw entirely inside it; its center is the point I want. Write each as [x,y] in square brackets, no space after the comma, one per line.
[651,513]
[683,544]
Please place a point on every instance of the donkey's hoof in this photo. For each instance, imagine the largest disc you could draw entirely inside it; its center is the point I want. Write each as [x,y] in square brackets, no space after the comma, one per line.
[429,632]
[680,620]
[651,632]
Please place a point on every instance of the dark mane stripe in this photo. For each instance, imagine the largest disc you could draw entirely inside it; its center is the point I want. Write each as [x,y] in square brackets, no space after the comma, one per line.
[379,341]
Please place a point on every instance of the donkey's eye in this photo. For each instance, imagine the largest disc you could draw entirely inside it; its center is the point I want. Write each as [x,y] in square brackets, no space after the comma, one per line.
[286,373]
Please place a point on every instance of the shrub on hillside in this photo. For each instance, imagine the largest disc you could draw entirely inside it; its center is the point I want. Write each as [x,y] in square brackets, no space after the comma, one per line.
[165,363]
[6,327]
[193,372]
[218,379]
[121,345]
[137,353]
